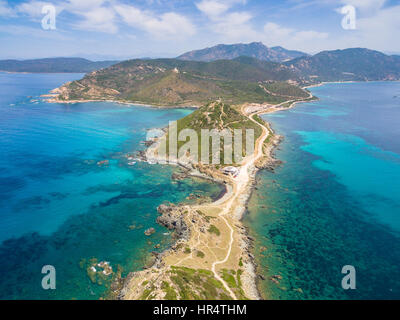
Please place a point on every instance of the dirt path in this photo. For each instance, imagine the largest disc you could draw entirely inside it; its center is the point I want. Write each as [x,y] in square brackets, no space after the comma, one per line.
[239,186]
[225,213]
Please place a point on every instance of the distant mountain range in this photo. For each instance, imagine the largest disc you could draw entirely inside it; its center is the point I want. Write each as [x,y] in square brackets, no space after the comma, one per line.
[356,64]
[243,79]
[255,50]
[54,65]
[250,77]
[247,62]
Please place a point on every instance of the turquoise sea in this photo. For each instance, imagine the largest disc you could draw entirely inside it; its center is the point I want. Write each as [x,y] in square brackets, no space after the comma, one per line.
[60,207]
[336,199]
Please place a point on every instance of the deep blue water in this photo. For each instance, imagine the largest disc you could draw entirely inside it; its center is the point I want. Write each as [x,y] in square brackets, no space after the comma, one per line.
[336,199]
[59,206]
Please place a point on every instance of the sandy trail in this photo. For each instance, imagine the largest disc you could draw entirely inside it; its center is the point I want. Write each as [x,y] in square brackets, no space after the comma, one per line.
[239,186]
[228,205]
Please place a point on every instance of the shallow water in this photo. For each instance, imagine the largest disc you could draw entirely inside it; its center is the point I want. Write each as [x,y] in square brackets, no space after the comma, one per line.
[60,207]
[336,199]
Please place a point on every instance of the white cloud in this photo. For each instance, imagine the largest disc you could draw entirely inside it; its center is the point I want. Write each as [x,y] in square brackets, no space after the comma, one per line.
[275,34]
[80,5]
[5,9]
[382,29]
[378,26]
[34,8]
[212,9]
[168,24]
[365,5]
[98,19]
[232,25]
[105,15]
[96,15]
[235,26]
[215,9]
[275,31]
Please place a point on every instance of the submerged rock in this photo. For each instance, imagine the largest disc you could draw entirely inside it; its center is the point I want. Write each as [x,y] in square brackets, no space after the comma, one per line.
[149,232]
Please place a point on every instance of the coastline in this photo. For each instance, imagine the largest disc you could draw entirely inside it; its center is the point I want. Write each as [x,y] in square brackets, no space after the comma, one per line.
[128,103]
[52,97]
[232,206]
[250,276]
[275,212]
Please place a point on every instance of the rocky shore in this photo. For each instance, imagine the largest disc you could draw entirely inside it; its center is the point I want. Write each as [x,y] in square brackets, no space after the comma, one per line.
[172,218]
[184,221]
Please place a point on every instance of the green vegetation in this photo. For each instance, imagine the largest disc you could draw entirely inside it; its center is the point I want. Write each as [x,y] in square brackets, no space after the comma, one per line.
[356,64]
[199,284]
[214,229]
[177,82]
[200,254]
[187,250]
[207,218]
[170,293]
[259,120]
[146,293]
[285,89]
[232,278]
[219,116]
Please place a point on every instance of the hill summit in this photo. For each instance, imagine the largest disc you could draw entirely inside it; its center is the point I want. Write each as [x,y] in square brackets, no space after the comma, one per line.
[255,50]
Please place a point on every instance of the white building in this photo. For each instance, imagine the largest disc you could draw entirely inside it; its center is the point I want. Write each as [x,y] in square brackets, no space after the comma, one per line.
[231,171]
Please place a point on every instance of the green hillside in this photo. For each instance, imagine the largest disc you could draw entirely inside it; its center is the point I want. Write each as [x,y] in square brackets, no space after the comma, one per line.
[355,64]
[171,82]
[220,116]
[176,82]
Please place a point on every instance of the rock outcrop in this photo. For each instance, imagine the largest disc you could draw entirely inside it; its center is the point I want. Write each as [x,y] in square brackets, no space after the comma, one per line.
[172,217]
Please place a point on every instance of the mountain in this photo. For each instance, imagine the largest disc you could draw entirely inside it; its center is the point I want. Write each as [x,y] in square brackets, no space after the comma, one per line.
[54,65]
[236,81]
[178,82]
[255,50]
[355,64]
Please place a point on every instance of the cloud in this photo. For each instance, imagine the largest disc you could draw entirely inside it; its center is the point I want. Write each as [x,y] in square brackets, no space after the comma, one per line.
[378,26]
[168,24]
[236,26]
[81,5]
[365,5]
[212,9]
[98,19]
[275,34]
[5,9]
[382,29]
[34,8]
[95,15]
[233,25]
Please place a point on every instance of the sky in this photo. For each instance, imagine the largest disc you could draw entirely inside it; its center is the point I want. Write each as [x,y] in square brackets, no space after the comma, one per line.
[122,29]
